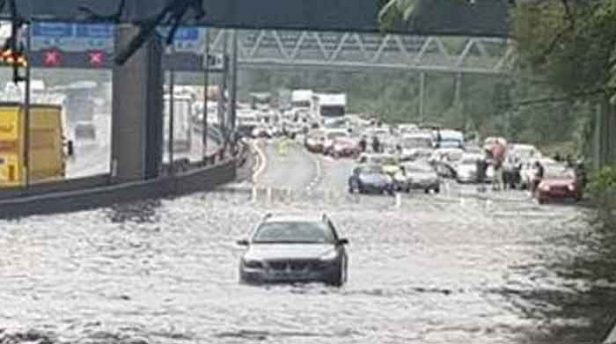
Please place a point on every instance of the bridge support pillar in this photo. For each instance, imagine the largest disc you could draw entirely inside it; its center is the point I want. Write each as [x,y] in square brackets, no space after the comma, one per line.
[137,116]
[422,90]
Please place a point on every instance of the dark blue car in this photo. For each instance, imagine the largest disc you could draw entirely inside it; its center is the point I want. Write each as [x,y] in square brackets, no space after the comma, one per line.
[371,179]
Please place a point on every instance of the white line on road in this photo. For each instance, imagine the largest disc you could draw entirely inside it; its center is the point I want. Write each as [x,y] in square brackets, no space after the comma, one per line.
[262,162]
[318,168]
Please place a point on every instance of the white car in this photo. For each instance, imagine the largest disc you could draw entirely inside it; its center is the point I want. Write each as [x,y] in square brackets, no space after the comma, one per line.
[528,171]
[524,152]
[407,128]
[466,168]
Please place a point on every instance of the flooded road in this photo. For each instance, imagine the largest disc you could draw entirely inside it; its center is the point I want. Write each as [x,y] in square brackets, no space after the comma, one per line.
[429,269]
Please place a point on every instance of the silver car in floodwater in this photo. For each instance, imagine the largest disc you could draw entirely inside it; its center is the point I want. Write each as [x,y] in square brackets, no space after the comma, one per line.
[294,248]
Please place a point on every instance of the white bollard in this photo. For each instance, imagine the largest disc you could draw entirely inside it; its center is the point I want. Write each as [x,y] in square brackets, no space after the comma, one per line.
[398,200]
[488,205]
[254,194]
[269,195]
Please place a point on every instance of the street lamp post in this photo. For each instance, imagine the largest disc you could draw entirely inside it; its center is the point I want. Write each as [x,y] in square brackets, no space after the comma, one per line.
[206,85]
[171,110]
[27,101]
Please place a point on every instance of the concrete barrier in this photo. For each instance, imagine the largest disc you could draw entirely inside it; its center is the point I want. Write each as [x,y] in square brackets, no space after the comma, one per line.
[81,199]
[56,186]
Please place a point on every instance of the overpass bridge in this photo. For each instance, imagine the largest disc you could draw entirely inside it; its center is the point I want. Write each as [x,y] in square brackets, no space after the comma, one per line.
[479,18]
[362,51]
[273,33]
[292,49]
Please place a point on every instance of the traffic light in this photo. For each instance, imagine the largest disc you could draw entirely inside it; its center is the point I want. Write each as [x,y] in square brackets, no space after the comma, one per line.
[13,58]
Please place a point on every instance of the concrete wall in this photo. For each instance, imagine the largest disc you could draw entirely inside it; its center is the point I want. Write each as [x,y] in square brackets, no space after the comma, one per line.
[74,200]
[56,186]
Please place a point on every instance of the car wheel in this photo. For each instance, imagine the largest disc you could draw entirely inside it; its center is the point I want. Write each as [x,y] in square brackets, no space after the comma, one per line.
[437,190]
[408,190]
[427,191]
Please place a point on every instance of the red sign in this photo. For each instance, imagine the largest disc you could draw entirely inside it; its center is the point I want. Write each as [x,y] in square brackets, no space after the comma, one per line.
[97,58]
[51,58]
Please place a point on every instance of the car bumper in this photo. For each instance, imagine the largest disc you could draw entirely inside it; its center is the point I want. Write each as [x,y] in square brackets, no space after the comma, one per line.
[346,152]
[376,189]
[424,185]
[467,178]
[328,272]
[558,194]
[314,148]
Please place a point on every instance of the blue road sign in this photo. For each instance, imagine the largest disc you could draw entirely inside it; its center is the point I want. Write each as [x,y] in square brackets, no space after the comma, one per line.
[94,31]
[86,37]
[52,30]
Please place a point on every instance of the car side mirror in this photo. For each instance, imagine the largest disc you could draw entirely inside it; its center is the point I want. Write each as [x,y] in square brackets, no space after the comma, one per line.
[343,241]
[243,242]
[70,148]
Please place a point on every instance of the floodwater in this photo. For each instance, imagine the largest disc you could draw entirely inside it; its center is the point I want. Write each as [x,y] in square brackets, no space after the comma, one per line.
[434,269]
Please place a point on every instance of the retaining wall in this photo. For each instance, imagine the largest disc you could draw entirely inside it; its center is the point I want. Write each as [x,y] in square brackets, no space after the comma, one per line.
[74,195]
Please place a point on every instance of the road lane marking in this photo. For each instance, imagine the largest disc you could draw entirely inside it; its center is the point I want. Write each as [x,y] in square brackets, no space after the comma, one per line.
[318,168]
[262,162]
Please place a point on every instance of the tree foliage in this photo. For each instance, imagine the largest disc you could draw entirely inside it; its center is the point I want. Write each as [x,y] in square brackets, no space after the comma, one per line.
[568,44]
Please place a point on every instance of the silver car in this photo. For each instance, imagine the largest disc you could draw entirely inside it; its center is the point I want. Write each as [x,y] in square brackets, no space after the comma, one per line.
[294,248]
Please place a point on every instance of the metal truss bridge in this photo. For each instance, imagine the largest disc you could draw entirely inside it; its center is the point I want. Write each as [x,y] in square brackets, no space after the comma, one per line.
[363,51]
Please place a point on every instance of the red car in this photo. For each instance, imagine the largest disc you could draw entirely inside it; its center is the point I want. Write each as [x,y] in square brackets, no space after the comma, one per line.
[345,147]
[559,183]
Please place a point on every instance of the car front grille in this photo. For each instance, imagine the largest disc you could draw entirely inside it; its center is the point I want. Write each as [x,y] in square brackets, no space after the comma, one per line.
[294,265]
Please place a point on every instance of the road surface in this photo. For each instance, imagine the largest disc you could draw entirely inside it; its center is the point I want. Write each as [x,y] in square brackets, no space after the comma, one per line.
[459,267]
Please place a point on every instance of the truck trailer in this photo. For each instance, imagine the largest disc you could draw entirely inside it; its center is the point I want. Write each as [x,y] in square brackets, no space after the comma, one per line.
[45,144]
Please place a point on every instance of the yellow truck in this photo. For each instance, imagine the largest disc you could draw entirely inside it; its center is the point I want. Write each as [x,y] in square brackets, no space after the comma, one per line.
[46,144]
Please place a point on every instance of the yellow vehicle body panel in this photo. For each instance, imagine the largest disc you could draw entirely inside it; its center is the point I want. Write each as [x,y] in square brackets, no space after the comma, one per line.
[391,169]
[47,160]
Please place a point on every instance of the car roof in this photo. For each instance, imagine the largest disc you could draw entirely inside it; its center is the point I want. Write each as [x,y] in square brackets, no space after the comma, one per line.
[471,156]
[418,134]
[291,217]
[422,163]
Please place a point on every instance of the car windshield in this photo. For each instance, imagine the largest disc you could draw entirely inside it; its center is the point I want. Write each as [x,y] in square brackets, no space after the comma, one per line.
[336,134]
[558,172]
[383,160]
[293,232]
[316,135]
[418,168]
[417,142]
[371,169]
[469,161]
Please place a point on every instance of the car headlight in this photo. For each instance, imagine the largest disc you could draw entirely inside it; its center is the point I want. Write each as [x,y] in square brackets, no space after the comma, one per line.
[329,256]
[571,187]
[253,264]
[544,188]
